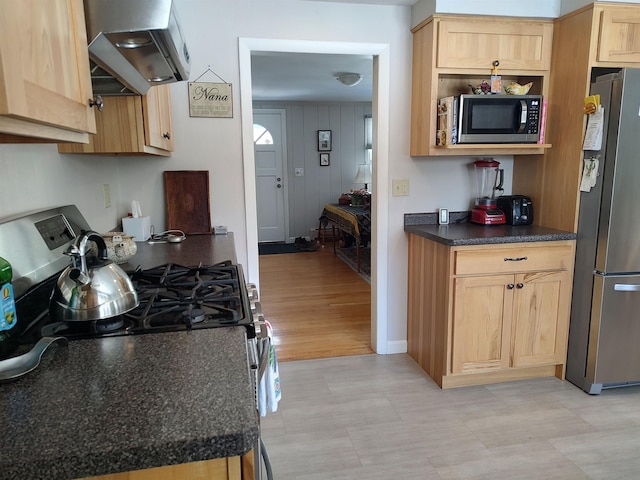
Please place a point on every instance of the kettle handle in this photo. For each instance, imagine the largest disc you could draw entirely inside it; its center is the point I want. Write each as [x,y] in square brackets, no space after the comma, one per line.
[95,237]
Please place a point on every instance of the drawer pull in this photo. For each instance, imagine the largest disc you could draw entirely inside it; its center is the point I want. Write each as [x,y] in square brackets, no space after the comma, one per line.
[517,259]
[623,287]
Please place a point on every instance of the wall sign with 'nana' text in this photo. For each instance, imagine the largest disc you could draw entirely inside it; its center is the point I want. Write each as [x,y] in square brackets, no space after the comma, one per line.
[210,100]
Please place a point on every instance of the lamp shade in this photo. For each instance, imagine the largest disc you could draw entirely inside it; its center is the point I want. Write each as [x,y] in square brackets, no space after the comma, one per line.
[363,175]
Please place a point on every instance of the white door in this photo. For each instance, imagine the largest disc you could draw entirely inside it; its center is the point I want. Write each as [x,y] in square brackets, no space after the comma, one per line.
[269,133]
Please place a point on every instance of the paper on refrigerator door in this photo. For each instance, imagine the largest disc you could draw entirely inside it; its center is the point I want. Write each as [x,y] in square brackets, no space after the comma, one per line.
[589,174]
[593,135]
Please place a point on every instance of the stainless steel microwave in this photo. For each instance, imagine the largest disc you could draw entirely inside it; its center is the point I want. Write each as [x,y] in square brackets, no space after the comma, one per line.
[499,118]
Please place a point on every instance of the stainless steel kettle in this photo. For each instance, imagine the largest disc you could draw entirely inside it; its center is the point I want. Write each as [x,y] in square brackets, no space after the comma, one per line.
[92,288]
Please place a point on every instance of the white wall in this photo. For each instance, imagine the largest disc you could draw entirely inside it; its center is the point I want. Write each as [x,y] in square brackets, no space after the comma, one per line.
[571,5]
[545,9]
[34,177]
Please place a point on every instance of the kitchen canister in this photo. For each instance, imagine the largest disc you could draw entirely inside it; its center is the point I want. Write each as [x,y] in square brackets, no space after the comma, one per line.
[120,246]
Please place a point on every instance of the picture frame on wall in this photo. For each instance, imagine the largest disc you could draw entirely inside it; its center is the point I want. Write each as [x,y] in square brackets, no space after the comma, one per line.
[324,159]
[324,140]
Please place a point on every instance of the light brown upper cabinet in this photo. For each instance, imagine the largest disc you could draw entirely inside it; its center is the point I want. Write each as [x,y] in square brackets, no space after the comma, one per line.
[587,43]
[619,36]
[45,84]
[451,52]
[475,43]
[131,125]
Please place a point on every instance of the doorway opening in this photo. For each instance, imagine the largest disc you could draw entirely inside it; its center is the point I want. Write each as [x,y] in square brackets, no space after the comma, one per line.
[269,133]
[379,255]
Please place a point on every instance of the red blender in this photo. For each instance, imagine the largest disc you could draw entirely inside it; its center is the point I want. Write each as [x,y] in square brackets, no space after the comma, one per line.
[486,210]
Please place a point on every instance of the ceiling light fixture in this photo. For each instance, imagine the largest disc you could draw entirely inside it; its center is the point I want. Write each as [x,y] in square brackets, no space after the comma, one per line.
[349,79]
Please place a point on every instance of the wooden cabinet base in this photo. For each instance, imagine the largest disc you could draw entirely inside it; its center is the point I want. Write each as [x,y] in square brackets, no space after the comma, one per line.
[499,376]
[483,314]
[230,468]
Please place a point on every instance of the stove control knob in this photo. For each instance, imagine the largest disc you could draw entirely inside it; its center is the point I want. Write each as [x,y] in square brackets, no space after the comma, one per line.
[252,291]
[256,309]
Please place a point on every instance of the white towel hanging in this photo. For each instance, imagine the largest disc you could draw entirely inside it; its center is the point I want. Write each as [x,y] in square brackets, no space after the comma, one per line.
[269,393]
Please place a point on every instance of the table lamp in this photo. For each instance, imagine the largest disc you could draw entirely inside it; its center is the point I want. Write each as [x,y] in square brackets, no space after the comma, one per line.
[363,175]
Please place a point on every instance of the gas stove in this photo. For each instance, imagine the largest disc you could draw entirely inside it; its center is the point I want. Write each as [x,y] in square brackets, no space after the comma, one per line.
[172,298]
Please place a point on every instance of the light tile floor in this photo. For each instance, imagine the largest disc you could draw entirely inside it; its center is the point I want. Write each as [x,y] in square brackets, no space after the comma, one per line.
[380,417]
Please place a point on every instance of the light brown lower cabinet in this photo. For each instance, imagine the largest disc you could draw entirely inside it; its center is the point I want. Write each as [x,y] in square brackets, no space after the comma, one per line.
[230,468]
[489,313]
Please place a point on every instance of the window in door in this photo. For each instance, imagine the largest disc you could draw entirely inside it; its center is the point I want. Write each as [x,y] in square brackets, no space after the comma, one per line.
[261,136]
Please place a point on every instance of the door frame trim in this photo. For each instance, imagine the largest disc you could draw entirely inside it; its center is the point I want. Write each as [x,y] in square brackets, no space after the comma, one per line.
[285,170]
[381,53]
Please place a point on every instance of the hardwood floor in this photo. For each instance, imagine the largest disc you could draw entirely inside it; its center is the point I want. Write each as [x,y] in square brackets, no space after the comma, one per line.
[317,305]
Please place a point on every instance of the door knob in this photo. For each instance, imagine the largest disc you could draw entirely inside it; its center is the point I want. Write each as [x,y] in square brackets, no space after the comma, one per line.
[278,179]
[97,103]
[279,186]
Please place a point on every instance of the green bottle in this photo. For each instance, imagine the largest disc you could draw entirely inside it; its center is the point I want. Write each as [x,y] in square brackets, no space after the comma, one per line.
[8,317]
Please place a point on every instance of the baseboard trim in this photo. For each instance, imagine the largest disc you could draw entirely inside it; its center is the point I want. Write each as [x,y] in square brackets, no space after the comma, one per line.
[397,346]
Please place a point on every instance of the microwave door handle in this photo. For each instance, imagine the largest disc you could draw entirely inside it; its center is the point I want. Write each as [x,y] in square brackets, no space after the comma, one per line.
[523,116]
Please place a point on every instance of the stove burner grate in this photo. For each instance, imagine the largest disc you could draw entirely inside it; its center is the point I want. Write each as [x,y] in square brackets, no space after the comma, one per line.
[172,298]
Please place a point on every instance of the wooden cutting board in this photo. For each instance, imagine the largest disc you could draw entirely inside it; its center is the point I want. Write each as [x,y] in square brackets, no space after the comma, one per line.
[187,201]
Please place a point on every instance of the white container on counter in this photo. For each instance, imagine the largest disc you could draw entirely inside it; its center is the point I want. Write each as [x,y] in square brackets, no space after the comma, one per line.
[139,228]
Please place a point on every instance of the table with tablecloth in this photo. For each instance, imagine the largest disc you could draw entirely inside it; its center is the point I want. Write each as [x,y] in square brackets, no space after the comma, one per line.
[352,220]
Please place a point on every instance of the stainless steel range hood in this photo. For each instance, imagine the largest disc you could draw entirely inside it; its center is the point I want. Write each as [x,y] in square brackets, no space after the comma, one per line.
[134,45]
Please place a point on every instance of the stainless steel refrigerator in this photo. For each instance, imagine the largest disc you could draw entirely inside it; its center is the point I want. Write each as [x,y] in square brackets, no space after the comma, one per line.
[604,334]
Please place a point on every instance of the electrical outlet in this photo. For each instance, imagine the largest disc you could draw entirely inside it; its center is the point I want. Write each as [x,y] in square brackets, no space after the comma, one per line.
[400,188]
[299,172]
[106,194]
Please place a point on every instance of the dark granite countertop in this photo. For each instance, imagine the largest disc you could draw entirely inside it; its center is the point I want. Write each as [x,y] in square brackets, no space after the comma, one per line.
[194,249]
[125,403]
[459,234]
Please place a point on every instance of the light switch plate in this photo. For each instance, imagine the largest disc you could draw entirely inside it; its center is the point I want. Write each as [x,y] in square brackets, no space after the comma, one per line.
[400,187]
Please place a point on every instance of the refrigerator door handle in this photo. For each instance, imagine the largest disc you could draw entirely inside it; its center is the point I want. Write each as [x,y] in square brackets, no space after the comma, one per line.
[623,287]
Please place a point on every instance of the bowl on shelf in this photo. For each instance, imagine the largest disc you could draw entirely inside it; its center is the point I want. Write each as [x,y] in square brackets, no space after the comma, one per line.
[517,89]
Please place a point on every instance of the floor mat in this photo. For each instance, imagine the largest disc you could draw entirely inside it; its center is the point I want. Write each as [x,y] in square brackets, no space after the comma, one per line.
[275,248]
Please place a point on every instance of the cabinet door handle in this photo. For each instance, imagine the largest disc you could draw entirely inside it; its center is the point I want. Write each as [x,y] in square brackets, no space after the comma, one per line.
[516,259]
[96,103]
[520,285]
[166,135]
[510,286]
